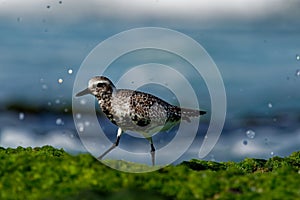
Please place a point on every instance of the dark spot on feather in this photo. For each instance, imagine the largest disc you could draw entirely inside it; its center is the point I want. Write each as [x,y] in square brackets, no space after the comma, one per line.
[143,122]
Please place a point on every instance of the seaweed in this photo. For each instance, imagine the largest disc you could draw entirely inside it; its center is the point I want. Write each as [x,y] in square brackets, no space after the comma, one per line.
[49,173]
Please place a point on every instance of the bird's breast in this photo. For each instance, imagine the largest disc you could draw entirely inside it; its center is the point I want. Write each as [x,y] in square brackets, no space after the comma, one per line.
[120,106]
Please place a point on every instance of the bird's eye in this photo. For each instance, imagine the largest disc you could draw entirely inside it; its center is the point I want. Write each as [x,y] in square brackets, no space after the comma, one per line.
[100,84]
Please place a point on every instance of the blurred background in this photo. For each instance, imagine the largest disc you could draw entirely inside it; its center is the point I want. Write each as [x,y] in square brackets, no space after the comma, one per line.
[255,44]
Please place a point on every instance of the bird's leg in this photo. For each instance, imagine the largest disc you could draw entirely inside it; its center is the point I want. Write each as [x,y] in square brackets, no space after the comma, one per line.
[152,151]
[114,145]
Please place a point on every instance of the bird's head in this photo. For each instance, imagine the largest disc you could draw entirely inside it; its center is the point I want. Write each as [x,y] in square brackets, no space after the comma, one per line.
[98,85]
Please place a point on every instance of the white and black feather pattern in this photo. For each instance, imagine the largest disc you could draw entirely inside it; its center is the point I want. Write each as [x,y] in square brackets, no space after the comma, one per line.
[137,111]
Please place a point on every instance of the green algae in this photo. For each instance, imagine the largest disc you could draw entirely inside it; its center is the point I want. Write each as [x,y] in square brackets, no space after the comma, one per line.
[49,173]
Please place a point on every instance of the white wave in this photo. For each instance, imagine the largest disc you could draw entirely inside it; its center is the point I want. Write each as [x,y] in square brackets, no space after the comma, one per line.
[13,137]
[137,10]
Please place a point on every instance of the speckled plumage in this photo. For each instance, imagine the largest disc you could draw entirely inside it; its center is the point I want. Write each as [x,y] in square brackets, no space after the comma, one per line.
[136,111]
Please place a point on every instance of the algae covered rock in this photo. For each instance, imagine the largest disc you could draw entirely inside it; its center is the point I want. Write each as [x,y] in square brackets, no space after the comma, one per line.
[49,173]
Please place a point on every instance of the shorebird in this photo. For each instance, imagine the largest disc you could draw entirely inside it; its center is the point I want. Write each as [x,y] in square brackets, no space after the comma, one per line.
[136,111]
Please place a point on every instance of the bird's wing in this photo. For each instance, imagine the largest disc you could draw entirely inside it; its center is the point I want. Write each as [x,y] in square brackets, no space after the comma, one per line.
[146,108]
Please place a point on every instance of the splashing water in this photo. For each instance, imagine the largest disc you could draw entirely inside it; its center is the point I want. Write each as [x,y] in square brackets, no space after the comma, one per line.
[250,134]
[59,121]
[297,73]
[21,116]
[82,101]
[80,127]
[44,87]
[87,123]
[78,116]
[270,105]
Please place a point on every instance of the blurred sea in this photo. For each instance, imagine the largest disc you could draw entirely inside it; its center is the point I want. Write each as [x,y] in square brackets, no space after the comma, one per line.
[258,60]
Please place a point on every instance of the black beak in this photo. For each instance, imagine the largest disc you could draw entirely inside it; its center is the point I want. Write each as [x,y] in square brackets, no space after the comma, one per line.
[83,92]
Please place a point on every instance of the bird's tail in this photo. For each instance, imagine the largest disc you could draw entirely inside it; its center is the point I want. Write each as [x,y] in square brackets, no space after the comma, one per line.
[187,113]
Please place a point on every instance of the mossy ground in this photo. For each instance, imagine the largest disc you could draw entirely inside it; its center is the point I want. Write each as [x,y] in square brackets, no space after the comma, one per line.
[49,173]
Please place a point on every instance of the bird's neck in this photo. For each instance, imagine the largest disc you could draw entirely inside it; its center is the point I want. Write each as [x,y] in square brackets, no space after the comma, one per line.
[104,97]
[104,101]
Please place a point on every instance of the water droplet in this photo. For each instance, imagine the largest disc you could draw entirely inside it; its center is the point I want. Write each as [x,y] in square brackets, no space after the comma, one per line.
[57,101]
[86,123]
[80,127]
[78,116]
[70,71]
[48,6]
[82,101]
[44,87]
[21,116]
[72,135]
[250,134]
[297,57]
[270,105]
[60,2]
[297,73]
[272,153]
[245,142]
[59,121]
[49,103]
[19,19]
[66,109]
[42,80]
[60,80]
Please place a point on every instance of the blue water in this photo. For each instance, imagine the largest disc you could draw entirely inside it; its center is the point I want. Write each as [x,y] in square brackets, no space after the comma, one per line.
[257,59]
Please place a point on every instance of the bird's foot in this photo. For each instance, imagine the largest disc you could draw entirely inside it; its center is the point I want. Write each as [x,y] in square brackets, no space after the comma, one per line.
[153,157]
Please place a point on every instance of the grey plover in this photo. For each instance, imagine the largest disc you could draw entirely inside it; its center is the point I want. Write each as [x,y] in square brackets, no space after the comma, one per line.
[136,111]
